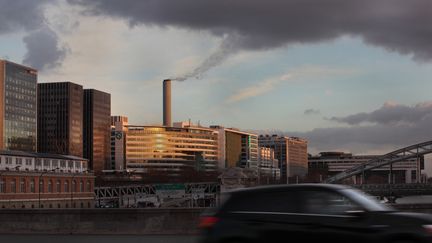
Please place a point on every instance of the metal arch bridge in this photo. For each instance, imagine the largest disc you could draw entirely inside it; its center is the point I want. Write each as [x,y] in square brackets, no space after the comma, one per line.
[413,151]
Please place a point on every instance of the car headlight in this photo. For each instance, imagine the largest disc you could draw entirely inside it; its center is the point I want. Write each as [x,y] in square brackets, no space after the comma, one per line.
[428,228]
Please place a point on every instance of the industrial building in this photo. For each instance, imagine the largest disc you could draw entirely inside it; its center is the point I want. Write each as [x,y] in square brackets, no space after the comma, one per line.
[18,108]
[327,164]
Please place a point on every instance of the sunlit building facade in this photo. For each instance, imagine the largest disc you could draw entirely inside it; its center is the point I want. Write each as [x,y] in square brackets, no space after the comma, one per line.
[291,153]
[237,148]
[118,142]
[18,107]
[171,149]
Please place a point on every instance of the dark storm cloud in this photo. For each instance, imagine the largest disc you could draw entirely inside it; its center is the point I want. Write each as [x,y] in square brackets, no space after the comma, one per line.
[311,112]
[397,25]
[43,49]
[390,114]
[393,126]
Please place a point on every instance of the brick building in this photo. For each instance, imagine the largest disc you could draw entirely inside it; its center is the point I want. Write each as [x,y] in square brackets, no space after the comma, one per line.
[32,180]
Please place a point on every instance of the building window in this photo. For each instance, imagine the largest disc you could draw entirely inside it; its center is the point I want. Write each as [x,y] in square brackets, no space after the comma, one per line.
[81,186]
[19,161]
[8,160]
[2,186]
[38,162]
[88,186]
[41,186]
[28,161]
[46,162]
[50,186]
[70,164]
[55,163]
[74,189]
[66,186]
[22,186]
[62,163]
[32,185]
[13,186]
[58,188]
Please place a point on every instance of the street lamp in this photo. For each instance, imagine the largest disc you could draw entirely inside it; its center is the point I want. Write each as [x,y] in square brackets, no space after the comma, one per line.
[39,181]
[72,187]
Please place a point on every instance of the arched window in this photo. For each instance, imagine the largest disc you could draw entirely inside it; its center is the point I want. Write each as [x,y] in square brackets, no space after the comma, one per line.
[50,186]
[81,186]
[41,186]
[66,186]
[32,185]
[88,186]
[58,187]
[74,189]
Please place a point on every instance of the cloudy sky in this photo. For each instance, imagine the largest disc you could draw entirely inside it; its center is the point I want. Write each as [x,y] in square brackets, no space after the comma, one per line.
[347,75]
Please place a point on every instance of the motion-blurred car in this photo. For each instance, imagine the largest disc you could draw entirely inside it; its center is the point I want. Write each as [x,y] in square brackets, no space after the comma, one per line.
[310,213]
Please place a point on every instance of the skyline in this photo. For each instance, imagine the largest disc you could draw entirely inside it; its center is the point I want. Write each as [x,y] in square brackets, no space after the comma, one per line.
[349,89]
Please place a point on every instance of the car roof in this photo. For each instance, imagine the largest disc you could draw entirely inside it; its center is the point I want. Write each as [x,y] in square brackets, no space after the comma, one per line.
[289,187]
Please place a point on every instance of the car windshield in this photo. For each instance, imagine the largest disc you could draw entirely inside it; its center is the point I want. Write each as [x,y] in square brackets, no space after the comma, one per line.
[366,201]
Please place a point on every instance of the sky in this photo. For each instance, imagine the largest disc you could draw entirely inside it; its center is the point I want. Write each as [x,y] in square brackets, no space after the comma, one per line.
[346,75]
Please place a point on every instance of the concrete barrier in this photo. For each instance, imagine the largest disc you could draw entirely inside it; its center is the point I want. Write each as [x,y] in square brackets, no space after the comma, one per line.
[181,221]
[99,221]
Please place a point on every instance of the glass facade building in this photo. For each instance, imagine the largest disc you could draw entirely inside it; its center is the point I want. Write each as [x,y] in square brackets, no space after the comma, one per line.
[18,107]
[60,118]
[171,148]
[97,129]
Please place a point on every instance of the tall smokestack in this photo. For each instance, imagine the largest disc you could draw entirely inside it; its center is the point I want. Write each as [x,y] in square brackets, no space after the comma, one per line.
[167,102]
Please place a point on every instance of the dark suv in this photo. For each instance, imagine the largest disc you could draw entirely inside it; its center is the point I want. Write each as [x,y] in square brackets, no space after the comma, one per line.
[310,213]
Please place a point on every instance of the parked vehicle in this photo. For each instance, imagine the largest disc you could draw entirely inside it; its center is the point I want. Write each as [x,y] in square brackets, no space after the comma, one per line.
[310,213]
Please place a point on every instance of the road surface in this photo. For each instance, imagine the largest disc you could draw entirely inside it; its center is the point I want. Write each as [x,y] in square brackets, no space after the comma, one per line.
[97,239]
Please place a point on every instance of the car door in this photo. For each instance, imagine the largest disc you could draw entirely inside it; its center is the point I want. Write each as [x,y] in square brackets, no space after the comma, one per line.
[335,218]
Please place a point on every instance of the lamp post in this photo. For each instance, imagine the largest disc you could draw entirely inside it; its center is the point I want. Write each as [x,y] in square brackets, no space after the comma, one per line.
[39,181]
[72,187]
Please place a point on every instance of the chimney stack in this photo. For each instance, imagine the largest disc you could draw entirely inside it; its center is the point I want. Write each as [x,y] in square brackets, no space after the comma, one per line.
[167,102]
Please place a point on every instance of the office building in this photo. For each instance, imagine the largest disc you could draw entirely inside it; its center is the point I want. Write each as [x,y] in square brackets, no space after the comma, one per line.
[18,109]
[291,153]
[171,150]
[97,129]
[237,148]
[327,164]
[268,165]
[60,118]
[118,142]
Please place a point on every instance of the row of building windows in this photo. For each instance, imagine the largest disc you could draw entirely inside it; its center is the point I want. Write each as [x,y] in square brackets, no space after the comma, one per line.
[51,188]
[50,205]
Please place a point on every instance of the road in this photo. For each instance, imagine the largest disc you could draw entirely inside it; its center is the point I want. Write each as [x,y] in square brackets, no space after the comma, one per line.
[97,239]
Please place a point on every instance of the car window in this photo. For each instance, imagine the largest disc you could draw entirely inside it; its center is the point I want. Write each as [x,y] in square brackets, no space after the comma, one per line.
[265,202]
[319,202]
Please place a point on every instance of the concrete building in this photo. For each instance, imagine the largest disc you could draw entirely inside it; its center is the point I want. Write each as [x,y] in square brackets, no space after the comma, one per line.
[327,164]
[268,165]
[18,108]
[291,153]
[118,142]
[170,150]
[60,118]
[97,129]
[36,180]
[237,148]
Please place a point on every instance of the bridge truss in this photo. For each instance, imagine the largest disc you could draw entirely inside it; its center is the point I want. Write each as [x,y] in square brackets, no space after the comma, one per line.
[413,151]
